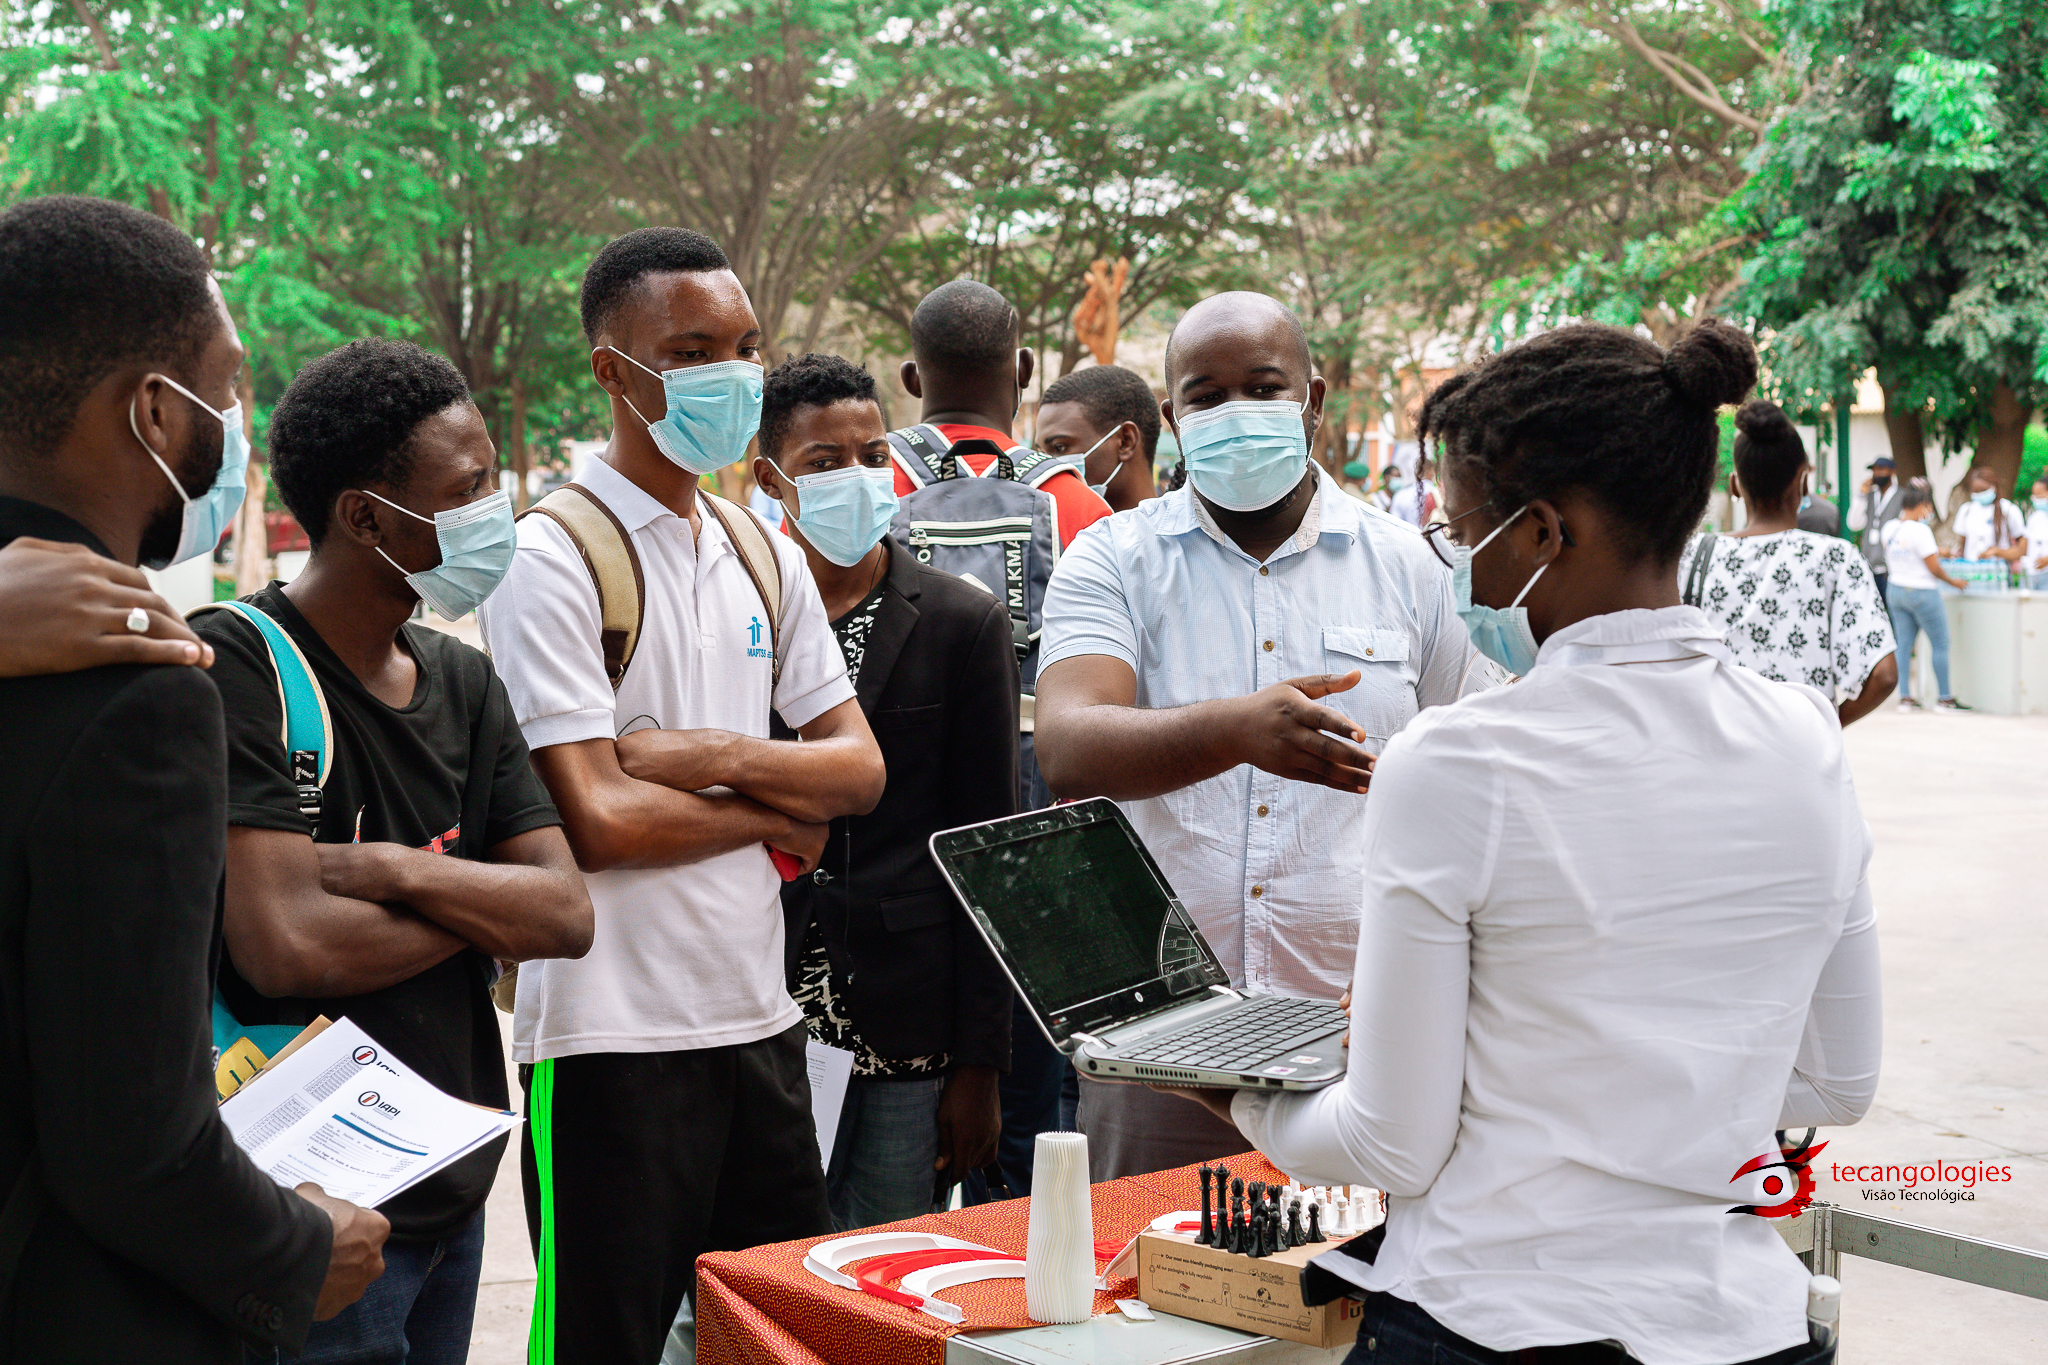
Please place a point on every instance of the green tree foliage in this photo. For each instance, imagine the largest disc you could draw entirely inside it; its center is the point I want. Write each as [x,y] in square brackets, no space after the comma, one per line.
[1901,212]
[1099,136]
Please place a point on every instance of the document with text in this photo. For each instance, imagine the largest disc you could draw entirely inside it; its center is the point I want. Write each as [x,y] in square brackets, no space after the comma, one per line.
[340,1111]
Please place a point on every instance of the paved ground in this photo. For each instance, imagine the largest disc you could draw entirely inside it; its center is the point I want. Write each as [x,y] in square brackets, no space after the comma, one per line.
[1957,804]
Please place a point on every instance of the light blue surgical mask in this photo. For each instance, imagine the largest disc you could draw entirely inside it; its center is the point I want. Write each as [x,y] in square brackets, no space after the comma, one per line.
[1983,497]
[713,411]
[843,512]
[1245,455]
[2040,504]
[477,541]
[208,516]
[1502,634]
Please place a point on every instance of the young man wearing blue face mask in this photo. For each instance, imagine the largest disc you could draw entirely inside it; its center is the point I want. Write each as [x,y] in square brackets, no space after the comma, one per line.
[668,1103]
[886,964]
[146,1234]
[431,851]
[1225,662]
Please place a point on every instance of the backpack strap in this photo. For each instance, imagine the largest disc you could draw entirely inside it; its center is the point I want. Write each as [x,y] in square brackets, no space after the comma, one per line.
[1034,467]
[750,538]
[920,452]
[1696,579]
[600,537]
[305,726]
[306,730]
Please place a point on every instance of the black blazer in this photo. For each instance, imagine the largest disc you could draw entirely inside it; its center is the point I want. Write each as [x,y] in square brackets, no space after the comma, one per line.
[938,685]
[155,1240]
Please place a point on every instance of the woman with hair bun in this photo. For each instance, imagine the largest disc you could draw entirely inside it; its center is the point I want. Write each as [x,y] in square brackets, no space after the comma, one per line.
[1616,933]
[1795,606]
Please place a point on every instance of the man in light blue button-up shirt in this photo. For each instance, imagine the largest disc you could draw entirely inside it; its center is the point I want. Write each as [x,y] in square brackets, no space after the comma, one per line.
[1193,669]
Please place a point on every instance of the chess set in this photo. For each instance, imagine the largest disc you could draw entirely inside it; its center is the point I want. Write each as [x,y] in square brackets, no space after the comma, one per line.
[1261,1220]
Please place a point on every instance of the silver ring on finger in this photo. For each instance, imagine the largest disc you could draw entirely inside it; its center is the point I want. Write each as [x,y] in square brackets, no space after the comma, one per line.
[138,620]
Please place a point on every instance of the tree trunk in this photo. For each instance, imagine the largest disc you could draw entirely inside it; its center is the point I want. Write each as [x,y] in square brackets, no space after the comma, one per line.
[521,460]
[2002,440]
[252,536]
[1908,437]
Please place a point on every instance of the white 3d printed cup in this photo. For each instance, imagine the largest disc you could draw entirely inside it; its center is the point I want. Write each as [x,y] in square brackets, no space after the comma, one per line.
[1059,1248]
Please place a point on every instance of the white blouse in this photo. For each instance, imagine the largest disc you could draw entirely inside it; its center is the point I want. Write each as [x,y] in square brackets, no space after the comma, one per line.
[1616,931]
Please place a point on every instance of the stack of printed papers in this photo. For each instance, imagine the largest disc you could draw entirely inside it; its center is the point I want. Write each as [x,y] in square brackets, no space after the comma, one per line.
[335,1108]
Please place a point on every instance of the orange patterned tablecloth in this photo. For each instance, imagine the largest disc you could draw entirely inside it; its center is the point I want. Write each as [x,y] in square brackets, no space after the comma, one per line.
[761,1307]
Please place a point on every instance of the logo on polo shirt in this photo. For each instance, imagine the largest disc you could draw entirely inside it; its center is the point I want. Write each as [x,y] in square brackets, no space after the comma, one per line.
[754,629]
[1783,1179]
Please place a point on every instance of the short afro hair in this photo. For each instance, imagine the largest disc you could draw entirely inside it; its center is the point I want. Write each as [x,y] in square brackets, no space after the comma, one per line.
[964,326]
[88,286]
[1111,396]
[807,381]
[645,251]
[347,422]
[1595,409]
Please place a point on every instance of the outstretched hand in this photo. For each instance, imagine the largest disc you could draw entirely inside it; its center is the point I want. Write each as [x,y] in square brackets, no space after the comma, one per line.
[63,608]
[1287,734]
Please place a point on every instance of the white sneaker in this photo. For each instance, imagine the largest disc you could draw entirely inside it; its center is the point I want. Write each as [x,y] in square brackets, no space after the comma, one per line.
[1907,705]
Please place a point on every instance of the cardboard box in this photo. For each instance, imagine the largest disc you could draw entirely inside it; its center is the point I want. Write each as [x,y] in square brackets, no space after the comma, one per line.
[1261,1296]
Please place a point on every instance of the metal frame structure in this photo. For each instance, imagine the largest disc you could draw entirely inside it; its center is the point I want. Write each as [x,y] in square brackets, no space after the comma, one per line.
[1827,1232]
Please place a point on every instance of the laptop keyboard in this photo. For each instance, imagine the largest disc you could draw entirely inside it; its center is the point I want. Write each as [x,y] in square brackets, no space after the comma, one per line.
[1254,1033]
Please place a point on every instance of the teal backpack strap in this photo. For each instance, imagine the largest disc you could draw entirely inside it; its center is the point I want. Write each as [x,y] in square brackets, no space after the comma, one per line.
[306,727]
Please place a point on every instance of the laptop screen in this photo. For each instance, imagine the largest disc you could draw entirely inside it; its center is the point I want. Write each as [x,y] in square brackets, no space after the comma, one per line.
[1080,912]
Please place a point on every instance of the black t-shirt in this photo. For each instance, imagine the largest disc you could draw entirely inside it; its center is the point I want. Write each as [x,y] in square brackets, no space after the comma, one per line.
[396,775]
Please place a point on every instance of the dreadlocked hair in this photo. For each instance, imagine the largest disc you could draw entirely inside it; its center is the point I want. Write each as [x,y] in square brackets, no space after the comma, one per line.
[1597,410]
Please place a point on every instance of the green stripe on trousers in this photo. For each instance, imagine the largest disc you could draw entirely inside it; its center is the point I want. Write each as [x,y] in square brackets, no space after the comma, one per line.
[540,1098]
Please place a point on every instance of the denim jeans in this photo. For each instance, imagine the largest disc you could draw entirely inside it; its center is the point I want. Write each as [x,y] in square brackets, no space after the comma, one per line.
[1395,1332]
[1915,609]
[882,1157]
[418,1312]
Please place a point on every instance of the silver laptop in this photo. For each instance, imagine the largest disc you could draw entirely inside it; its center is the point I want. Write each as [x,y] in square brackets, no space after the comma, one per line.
[1112,967]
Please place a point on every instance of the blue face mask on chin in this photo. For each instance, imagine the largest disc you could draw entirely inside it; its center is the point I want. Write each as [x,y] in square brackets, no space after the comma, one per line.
[1502,634]
[843,512]
[208,516]
[1245,455]
[713,411]
[477,543]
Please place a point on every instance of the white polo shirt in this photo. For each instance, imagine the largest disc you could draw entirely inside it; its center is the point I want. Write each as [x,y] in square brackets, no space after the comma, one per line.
[684,957]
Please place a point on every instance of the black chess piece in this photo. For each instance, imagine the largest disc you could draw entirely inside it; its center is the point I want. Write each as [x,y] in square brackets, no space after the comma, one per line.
[1267,1232]
[1296,1234]
[1315,1223]
[1207,1236]
[1234,1241]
